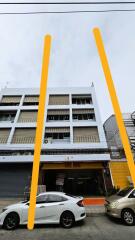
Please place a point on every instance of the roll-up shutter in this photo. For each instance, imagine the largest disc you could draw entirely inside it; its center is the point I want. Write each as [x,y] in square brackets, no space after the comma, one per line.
[28,116]
[24,135]
[4,134]
[11,99]
[31,99]
[58,99]
[82,111]
[57,130]
[13,179]
[85,134]
[58,112]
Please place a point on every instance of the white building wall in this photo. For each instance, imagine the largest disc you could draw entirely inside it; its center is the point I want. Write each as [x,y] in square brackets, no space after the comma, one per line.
[90,90]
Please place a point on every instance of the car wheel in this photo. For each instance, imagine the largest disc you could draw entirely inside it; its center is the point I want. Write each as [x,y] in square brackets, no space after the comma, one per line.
[128,217]
[67,219]
[11,221]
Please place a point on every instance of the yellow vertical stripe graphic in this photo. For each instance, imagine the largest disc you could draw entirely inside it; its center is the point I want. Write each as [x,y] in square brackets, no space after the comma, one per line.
[115,103]
[39,131]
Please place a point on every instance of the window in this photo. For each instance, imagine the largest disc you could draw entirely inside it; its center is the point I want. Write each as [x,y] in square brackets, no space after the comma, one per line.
[83,114]
[24,135]
[50,198]
[7,116]
[58,99]
[27,116]
[56,198]
[10,100]
[57,117]
[4,134]
[42,199]
[132,195]
[57,133]
[124,192]
[81,99]
[85,134]
[66,135]
[60,136]
[31,100]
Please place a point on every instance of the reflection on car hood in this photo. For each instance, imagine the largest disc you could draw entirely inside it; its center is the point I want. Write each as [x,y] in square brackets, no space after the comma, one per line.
[16,205]
[113,198]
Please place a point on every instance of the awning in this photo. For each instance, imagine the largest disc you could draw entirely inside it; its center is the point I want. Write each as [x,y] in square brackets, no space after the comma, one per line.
[11,99]
[57,130]
[81,96]
[31,99]
[73,165]
[58,112]
[82,111]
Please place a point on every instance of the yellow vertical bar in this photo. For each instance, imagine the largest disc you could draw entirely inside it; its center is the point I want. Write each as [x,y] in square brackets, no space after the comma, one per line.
[39,131]
[115,103]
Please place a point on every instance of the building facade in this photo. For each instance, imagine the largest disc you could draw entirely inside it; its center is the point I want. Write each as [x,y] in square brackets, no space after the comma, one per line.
[118,164]
[74,156]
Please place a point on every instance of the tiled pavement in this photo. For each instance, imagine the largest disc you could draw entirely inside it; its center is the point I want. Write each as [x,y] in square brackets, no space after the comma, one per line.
[95,210]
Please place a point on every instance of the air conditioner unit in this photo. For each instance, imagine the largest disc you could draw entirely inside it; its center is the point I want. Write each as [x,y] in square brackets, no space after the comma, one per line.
[48,140]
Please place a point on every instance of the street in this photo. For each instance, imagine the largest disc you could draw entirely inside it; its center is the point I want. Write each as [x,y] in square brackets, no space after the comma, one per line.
[95,227]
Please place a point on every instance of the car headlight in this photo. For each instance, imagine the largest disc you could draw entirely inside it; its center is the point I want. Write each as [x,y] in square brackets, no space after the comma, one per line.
[114,204]
[4,209]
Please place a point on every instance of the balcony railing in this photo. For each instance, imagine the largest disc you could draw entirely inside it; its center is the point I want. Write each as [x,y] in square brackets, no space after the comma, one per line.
[52,141]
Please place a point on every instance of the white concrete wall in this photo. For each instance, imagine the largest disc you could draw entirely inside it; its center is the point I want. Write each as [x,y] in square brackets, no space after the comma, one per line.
[90,90]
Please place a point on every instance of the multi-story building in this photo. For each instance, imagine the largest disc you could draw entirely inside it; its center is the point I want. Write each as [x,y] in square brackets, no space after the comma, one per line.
[118,165]
[74,155]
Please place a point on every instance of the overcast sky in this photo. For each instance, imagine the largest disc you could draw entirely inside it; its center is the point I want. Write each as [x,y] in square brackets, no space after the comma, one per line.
[74,58]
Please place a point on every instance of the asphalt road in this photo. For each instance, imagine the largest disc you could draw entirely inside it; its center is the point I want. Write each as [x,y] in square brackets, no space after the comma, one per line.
[98,227]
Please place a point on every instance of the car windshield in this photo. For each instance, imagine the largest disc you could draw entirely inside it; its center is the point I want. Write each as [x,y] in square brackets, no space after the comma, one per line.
[124,191]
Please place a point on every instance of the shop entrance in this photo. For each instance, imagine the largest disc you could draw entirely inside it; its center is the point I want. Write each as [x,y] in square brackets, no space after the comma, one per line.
[88,182]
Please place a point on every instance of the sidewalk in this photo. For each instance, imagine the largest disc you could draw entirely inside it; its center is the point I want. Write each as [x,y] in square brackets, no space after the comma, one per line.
[95,210]
[94,206]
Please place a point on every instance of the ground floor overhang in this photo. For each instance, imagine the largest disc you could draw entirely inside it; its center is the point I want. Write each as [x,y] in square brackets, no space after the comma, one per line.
[72,165]
[56,158]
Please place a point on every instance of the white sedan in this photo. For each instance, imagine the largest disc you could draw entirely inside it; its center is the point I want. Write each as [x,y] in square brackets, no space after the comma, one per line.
[51,208]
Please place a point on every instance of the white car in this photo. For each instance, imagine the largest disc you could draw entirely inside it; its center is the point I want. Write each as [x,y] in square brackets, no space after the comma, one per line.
[51,208]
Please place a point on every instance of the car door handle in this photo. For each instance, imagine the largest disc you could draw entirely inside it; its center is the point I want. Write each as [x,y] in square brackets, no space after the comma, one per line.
[42,207]
[61,204]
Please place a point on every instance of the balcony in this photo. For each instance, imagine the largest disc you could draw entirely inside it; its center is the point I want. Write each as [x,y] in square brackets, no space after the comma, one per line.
[24,136]
[57,141]
[59,100]
[81,99]
[83,115]
[10,101]
[27,116]
[57,135]
[4,134]
[7,116]
[57,115]
[32,100]
[85,135]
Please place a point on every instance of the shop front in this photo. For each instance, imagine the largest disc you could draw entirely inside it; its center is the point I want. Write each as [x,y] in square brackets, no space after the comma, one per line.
[87,179]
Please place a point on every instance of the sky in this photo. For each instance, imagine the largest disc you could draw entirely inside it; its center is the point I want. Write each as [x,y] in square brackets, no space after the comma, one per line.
[74,58]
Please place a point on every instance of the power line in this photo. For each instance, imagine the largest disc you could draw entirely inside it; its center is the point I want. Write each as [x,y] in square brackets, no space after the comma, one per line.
[66,3]
[67,12]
